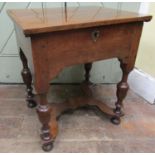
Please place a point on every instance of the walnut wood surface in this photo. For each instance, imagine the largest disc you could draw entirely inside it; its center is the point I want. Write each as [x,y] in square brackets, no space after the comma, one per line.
[34,21]
[86,100]
[54,51]
[58,109]
[27,78]
[81,36]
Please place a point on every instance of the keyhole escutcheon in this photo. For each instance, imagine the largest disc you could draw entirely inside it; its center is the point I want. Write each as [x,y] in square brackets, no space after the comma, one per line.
[95,35]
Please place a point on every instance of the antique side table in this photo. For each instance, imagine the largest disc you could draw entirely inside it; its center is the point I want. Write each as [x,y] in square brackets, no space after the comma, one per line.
[52,39]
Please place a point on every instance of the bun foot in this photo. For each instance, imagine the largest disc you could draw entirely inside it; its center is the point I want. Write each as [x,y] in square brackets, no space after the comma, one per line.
[31,104]
[116,120]
[47,146]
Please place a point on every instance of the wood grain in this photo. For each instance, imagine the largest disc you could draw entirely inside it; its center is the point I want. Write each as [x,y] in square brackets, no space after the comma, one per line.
[34,21]
[81,36]
[59,108]
[54,51]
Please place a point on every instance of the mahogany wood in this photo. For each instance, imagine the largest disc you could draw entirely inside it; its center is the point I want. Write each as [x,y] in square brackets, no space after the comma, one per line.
[81,36]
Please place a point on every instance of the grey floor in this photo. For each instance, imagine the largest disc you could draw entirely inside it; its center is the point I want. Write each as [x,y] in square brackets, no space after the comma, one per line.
[82,131]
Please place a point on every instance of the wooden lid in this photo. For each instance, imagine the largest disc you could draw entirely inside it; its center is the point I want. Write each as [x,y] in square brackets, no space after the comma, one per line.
[33,21]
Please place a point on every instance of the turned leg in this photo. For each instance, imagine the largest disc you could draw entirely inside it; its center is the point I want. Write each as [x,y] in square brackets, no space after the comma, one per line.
[122,88]
[27,78]
[87,67]
[44,114]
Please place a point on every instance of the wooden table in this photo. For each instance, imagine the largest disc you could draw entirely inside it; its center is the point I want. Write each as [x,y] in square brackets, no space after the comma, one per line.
[52,39]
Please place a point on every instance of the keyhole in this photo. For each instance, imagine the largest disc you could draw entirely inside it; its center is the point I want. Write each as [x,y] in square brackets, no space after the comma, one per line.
[95,35]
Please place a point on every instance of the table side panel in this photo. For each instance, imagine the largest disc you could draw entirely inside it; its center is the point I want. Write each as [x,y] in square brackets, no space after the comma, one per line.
[54,51]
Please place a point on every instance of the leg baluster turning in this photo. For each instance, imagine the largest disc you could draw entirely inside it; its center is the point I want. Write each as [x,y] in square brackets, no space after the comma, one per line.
[27,78]
[87,67]
[122,88]
[44,114]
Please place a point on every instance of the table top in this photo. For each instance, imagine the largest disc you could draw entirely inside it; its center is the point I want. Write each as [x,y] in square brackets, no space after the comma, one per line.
[33,21]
